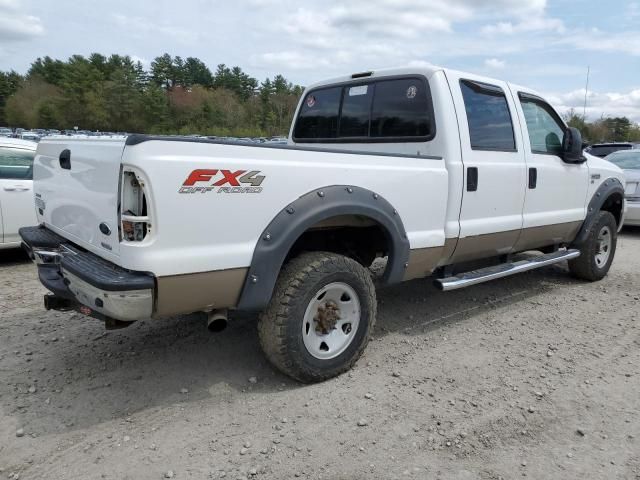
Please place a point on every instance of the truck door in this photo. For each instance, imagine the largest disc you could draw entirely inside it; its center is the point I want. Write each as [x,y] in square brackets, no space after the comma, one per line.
[494,167]
[555,199]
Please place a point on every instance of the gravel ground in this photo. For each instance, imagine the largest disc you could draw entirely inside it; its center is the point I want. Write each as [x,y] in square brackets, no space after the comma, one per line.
[535,376]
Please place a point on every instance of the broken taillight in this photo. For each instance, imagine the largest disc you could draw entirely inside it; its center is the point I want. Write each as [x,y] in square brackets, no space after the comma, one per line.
[135,220]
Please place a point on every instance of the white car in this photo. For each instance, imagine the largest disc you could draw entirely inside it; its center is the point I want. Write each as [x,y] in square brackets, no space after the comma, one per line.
[16,189]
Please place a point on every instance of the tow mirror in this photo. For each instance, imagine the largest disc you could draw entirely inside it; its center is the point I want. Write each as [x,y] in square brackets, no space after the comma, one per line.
[572,146]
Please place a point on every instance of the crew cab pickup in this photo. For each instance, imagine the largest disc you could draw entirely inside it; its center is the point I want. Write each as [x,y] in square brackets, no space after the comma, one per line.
[430,168]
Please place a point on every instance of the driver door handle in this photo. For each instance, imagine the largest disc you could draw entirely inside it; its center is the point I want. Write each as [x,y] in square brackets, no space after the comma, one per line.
[16,188]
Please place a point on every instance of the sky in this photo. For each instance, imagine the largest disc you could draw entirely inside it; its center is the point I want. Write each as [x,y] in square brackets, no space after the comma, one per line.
[545,45]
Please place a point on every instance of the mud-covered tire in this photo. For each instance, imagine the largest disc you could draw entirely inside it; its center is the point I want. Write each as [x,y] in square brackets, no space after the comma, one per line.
[280,326]
[591,265]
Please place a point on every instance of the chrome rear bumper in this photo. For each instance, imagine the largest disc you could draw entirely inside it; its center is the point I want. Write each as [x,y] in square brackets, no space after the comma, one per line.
[82,281]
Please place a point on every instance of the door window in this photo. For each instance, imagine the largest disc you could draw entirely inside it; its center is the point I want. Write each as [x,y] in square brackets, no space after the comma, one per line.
[16,163]
[488,115]
[543,124]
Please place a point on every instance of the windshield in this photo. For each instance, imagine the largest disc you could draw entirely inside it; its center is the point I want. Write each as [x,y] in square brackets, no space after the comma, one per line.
[604,150]
[629,160]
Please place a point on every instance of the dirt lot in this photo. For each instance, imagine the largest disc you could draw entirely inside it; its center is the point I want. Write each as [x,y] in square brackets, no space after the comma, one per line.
[535,376]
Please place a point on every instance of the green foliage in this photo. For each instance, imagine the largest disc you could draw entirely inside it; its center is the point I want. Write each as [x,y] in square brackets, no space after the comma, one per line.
[605,129]
[176,96]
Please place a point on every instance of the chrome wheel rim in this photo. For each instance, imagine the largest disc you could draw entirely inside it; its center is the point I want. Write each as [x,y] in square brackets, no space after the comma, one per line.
[331,321]
[603,247]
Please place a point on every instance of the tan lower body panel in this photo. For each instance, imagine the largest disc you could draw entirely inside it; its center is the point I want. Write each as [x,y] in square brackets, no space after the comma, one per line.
[422,261]
[196,292]
[536,237]
[484,246]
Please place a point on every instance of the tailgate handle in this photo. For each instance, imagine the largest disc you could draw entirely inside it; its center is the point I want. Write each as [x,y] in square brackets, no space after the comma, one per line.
[65,159]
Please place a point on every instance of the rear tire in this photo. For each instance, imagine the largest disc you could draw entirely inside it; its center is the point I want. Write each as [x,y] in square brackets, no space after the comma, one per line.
[597,252]
[320,317]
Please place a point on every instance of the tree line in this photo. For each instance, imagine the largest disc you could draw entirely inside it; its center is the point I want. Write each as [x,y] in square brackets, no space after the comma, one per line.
[178,96]
[174,96]
[605,129]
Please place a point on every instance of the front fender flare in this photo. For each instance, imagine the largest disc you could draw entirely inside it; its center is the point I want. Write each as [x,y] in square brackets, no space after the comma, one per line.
[609,187]
[318,205]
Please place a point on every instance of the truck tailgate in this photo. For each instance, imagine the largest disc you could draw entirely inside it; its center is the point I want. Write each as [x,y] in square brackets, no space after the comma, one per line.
[75,197]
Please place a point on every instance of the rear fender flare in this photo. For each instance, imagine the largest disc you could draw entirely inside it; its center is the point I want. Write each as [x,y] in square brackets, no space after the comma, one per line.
[277,239]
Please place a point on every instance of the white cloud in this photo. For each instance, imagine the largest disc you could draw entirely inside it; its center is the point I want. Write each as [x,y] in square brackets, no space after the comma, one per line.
[495,64]
[392,32]
[140,27]
[535,24]
[15,24]
[599,41]
[600,104]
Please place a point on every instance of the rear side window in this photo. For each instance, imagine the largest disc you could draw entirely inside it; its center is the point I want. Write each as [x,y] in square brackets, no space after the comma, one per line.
[490,126]
[16,163]
[392,110]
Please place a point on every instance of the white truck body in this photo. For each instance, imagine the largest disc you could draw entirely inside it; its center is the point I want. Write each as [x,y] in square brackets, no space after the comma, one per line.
[430,167]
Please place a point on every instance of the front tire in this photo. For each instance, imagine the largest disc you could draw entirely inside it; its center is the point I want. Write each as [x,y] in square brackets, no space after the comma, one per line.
[320,317]
[597,252]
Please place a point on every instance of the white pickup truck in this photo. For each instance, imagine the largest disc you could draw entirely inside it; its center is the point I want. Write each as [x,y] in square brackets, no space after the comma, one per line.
[429,167]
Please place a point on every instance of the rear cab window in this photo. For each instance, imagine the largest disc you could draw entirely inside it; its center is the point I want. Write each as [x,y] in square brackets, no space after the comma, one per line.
[379,110]
[16,163]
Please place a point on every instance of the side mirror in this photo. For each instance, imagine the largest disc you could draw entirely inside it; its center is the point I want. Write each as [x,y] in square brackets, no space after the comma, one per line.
[572,146]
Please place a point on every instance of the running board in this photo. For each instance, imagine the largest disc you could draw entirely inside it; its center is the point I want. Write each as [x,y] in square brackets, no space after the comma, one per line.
[466,279]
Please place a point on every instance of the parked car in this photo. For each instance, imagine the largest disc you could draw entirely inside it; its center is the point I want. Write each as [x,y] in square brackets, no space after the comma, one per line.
[429,167]
[603,149]
[30,135]
[16,189]
[6,132]
[629,162]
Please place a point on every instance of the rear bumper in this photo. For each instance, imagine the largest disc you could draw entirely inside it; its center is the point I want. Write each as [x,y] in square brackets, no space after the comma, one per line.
[83,281]
[632,216]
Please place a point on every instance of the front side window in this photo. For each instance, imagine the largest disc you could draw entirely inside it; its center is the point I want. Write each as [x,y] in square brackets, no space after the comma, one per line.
[391,110]
[16,163]
[488,115]
[543,124]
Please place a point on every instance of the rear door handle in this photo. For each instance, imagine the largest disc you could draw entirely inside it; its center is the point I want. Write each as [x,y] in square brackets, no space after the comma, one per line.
[533,178]
[16,188]
[472,179]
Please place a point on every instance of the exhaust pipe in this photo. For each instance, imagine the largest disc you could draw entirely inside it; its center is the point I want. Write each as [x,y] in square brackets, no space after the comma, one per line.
[217,320]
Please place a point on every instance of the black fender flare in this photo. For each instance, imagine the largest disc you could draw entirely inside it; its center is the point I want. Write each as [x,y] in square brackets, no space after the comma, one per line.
[607,188]
[313,207]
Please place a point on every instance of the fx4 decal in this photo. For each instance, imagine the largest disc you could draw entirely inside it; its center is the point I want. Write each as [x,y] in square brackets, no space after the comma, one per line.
[222,181]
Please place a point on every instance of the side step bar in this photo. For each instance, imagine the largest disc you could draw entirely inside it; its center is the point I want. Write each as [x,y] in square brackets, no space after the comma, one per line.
[482,275]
